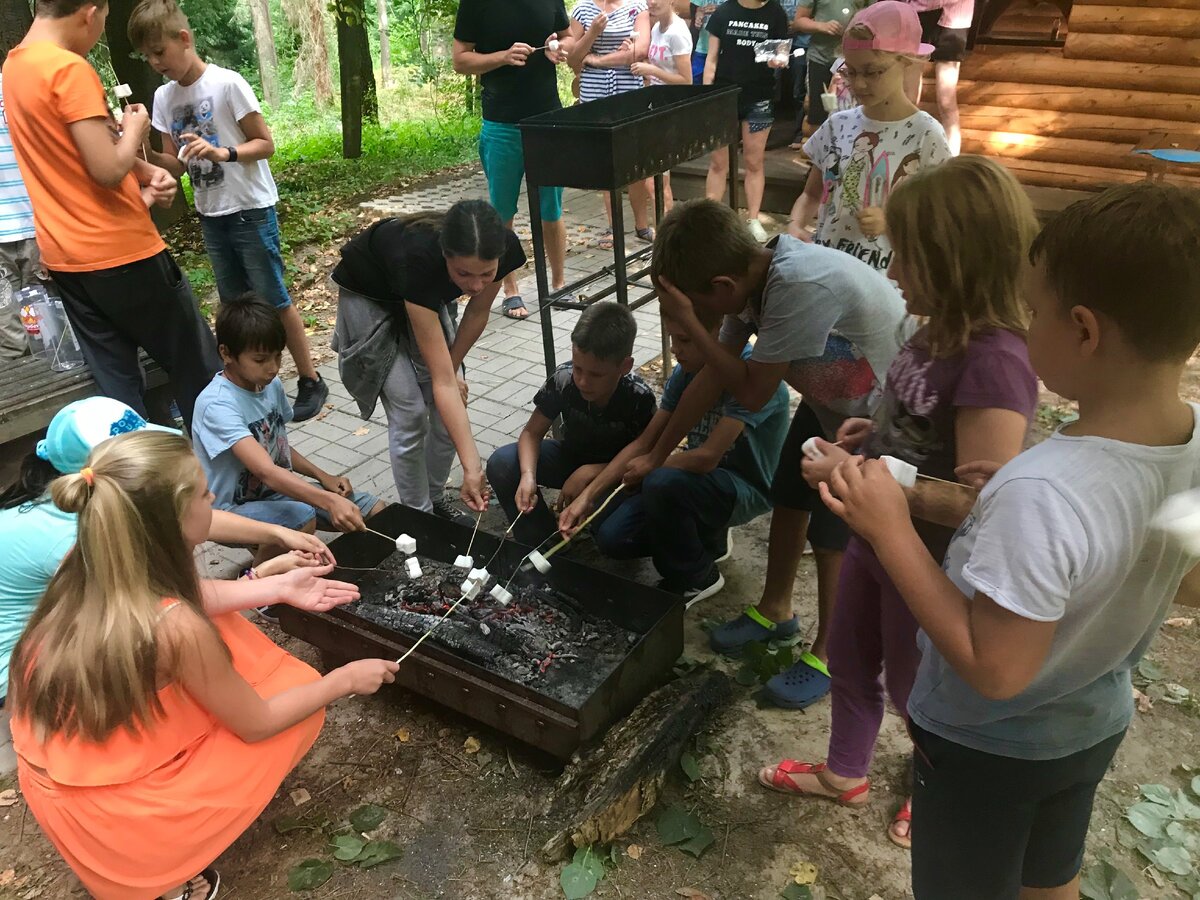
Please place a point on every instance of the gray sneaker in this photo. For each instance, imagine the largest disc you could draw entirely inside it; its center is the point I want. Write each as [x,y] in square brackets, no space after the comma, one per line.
[444,509]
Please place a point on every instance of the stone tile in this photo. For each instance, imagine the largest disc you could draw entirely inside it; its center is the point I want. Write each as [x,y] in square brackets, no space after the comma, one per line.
[492,408]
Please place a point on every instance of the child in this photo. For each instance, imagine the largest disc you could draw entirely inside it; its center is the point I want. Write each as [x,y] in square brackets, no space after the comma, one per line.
[823,21]
[90,191]
[153,725]
[961,390]
[668,61]
[213,129]
[19,261]
[857,154]
[829,326]
[241,435]
[398,338]
[733,30]
[681,517]
[603,407]
[1057,582]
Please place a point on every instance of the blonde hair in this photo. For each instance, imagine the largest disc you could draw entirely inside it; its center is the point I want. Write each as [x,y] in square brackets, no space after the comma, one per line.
[961,232]
[154,20]
[89,662]
[861,31]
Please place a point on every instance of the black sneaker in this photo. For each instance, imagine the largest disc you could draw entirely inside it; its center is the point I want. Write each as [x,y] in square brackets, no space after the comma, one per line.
[444,509]
[310,397]
[692,594]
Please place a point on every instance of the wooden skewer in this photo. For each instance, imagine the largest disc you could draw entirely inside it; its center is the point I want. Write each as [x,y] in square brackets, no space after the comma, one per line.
[433,628]
[380,533]
[471,543]
[549,553]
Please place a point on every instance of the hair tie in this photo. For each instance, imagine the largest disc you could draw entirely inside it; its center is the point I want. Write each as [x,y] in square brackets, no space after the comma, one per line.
[88,475]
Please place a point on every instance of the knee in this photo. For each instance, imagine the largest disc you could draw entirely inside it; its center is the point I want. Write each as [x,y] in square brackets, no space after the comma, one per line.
[607,539]
[754,161]
[502,467]
[660,488]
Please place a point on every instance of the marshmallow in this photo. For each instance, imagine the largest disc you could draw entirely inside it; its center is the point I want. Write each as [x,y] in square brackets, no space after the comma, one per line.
[406,545]
[810,449]
[552,45]
[413,567]
[781,59]
[798,52]
[829,102]
[845,10]
[122,91]
[905,473]
[464,562]
[501,595]
[480,575]
[180,153]
[470,589]
[539,562]
[1179,517]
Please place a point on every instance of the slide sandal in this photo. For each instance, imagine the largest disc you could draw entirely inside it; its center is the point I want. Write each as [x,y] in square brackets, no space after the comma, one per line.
[511,305]
[904,815]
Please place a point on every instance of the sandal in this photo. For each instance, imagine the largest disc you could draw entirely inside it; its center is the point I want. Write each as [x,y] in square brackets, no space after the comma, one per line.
[213,879]
[904,815]
[645,234]
[800,686]
[606,239]
[731,638]
[511,305]
[781,781]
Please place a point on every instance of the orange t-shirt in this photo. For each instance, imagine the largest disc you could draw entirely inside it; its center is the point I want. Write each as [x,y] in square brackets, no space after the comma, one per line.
[81,225]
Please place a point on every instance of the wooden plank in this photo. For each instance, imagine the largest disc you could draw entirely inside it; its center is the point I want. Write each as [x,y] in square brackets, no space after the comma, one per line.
[1082,126]
[1101,154]
[1133,48]
[1060,175]
[1045,67]
[1158,4]
[1078,99]
[1135,20]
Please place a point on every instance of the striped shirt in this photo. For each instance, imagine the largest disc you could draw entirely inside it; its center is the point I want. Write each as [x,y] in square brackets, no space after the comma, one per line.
[16,212]
[597,83]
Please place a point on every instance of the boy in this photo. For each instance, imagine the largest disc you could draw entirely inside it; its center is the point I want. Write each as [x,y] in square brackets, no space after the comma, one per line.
[681,517]
[1057,581]
[241,436]
[213,129]
[90,192]
[827,324]
[18,245]
[603,408]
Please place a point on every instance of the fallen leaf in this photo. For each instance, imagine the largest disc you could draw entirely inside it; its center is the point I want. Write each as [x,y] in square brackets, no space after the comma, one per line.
[402,735]
[300,796]
[359,432]
[633,851]
[8,797]
[803,873]
[1180,622]
[7,876]
[471,744]
[1143,702]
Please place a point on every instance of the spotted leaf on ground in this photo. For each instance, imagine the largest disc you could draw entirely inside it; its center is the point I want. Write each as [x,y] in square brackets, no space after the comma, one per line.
[1149,818]
[577,881]
[347,847]
[309,875]
[368,818]
[376,853]
[1172,859]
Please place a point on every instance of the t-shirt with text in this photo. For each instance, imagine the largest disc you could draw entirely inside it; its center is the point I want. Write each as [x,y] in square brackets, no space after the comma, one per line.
[861,162]
[212,107]
[596,83]
[590,433]
[675,41]
[16,212]
[738,29]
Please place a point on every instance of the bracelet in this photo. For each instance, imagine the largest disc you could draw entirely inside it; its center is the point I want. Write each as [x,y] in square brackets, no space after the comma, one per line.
[249,574]
[233,154]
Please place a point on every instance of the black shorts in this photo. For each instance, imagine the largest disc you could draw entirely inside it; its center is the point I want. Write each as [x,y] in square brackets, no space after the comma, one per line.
[949,44]
[984,826]
[788,488]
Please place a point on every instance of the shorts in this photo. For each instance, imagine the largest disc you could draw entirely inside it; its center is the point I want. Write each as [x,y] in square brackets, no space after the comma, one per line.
[246,256]
[984,826]
[698,61]
[949,44]
[758,114]
[503,158]
[826,531]
[295,514]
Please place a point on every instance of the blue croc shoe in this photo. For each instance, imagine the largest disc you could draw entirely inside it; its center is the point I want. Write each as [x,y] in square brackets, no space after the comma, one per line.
[732,637]
[806,682]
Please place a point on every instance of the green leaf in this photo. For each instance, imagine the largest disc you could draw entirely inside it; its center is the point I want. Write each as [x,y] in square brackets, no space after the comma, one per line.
[1104,881]
[1149,818]
[796,892]
[1157,793]
[376,853]
[577,881]
[284,824]
[590,860]
[368,818]
[697,845]
[1196,785]
[1150,671]
[309,875]
[346,847]
[675,825]
[746,676]
[690,767]
[1186,837]
[1183,807]
[1172,859]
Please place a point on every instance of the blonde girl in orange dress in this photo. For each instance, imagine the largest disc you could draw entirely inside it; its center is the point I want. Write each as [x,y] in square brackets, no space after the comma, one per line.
[152,722]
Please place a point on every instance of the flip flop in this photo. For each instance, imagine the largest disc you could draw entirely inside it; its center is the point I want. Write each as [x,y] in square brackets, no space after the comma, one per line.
[645,234]
[606,239]
[511,305]
[212,876]
[781,781]
[800,686]
[904,815]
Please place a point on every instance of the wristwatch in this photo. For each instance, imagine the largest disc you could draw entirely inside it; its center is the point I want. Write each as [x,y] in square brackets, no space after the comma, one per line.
[232,151]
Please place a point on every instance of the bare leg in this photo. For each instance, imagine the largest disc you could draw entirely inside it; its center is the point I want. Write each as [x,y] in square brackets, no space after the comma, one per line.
[754,148]
[668,197]
[789,530]
[829,566]
[641,198]
[947,100]
[1068,891]
[554,234]
[297,341]
[913,76]
[509,288]
[607,207]
[718,174]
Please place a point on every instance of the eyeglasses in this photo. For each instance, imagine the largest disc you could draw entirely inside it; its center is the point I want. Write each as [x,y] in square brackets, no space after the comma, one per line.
[866,74]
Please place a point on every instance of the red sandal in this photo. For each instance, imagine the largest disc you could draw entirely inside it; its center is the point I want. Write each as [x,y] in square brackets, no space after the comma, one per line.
[904,815]
[781,780]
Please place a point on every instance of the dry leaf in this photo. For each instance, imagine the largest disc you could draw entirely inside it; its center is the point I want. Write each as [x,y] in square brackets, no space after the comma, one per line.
[692,893]
[1143,702]
[7,876]
[1181,622]
[403,736]
[803,873]
[633,851]
[359,432]
[8,798]
[300,796]
[471,745]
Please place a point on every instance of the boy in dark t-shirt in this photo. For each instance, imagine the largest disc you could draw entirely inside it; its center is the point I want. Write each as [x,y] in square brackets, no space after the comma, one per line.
[603,408]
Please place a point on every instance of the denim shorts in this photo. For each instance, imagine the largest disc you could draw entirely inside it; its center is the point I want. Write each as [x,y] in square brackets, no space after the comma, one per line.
[295,514]
[245,254]
[503,158]
[758,114]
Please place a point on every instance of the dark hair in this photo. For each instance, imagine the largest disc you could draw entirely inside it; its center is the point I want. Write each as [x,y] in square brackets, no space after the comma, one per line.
[249,323]
[32,480]
[701,240]
[606,330]
[1131,253]
[468,228]
[60,9]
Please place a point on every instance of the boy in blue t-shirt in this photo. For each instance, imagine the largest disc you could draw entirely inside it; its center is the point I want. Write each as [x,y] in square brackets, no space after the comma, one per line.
[240,434]
[682,515]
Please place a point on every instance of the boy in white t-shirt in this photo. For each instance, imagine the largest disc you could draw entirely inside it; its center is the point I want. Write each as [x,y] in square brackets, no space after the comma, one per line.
[213,129]
[19,260]
[1059,579]
[668,59]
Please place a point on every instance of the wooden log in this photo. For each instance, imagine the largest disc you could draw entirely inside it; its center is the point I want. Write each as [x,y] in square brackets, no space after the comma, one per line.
[1160,4]
[1135,20]
[1082,126]
[992,63]
[613,784]
[1133,48]
[1078,99]
[1048,149]
[1060,175]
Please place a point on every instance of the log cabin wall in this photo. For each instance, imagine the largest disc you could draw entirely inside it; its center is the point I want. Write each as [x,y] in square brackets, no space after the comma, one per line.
[1069,116]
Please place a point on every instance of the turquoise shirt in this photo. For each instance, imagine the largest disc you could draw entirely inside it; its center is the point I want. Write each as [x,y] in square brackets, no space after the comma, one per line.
[34,538]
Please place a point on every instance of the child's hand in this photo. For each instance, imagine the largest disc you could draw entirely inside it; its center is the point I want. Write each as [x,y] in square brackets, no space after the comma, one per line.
[135,119]
[300,540]
[366,676]
[637,470]
[868,498]
[343,514]
[853,433]
[160,187]
[674,303]
[555,56]
[641,69]
[798,231]
[197,147]
[571,517]
[832,28]
[977,474]
[337,484]
[817,471]
[307,589]
[474,491]
[599,23]
[527,493]
[574,486]
[517,54]
[871,221]
[463,390]
[287,562]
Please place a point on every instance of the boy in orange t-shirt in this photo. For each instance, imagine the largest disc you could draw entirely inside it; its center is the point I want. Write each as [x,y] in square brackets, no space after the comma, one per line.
[91,192]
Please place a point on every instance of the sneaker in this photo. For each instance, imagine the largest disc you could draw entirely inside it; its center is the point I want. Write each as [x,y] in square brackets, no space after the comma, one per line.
[757,230]
[708,586]
[444,509]
[310,397]
[267,614]
[723,548]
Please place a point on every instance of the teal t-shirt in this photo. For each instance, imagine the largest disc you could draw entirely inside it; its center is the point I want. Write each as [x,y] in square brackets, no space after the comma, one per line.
[750,462]
[34,538]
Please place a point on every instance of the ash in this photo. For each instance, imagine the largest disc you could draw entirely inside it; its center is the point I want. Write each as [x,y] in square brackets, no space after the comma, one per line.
[544,639]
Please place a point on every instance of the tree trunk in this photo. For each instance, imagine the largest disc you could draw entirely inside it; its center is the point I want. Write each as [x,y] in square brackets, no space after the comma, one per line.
[264,43]
[307,18]
[359,98]
[15,19]
[385,49]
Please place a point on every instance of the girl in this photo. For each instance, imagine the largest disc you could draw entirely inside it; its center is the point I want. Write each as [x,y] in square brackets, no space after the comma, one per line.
[733,30]
[397,338]
[857,153]
[668,61]
[609,36]
[152,724]
[961,390]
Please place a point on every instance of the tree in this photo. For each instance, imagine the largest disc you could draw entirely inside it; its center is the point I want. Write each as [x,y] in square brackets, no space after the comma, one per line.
[307,20]
[385,41]
[222,32]
[264,42]
[359,98]
[15,18]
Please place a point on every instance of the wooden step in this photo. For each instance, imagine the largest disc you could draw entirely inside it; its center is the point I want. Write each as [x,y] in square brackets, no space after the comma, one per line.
[1046,67]
[1081,126]
[1133,48]
[1079,99]
[1156,4]
[1135,20]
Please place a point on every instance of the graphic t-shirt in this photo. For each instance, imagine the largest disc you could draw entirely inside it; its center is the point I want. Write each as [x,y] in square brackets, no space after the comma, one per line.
[593,434]
[596,83]
[666,45]
[861,161]
[835,320]
[16,212]
[226,413]
[81,225]
[512,93]
[212,107]
[1063,534]
[738,29]
[749,465]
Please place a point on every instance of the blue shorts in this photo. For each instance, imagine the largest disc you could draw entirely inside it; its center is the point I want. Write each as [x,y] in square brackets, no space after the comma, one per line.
[295,514]
[503,159]
[245,254]
[758,114]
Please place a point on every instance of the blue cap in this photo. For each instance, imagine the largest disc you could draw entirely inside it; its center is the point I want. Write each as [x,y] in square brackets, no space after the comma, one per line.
[80,426]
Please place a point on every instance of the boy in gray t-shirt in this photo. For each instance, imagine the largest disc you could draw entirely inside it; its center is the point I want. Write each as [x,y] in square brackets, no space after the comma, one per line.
[1058,580]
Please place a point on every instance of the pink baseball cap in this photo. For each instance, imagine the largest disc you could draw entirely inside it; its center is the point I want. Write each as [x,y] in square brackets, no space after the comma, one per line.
[895,27]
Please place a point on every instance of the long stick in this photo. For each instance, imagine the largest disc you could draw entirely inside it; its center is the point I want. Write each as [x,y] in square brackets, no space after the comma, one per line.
[471,543]
[586,522]
[432,629]
[386,537]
